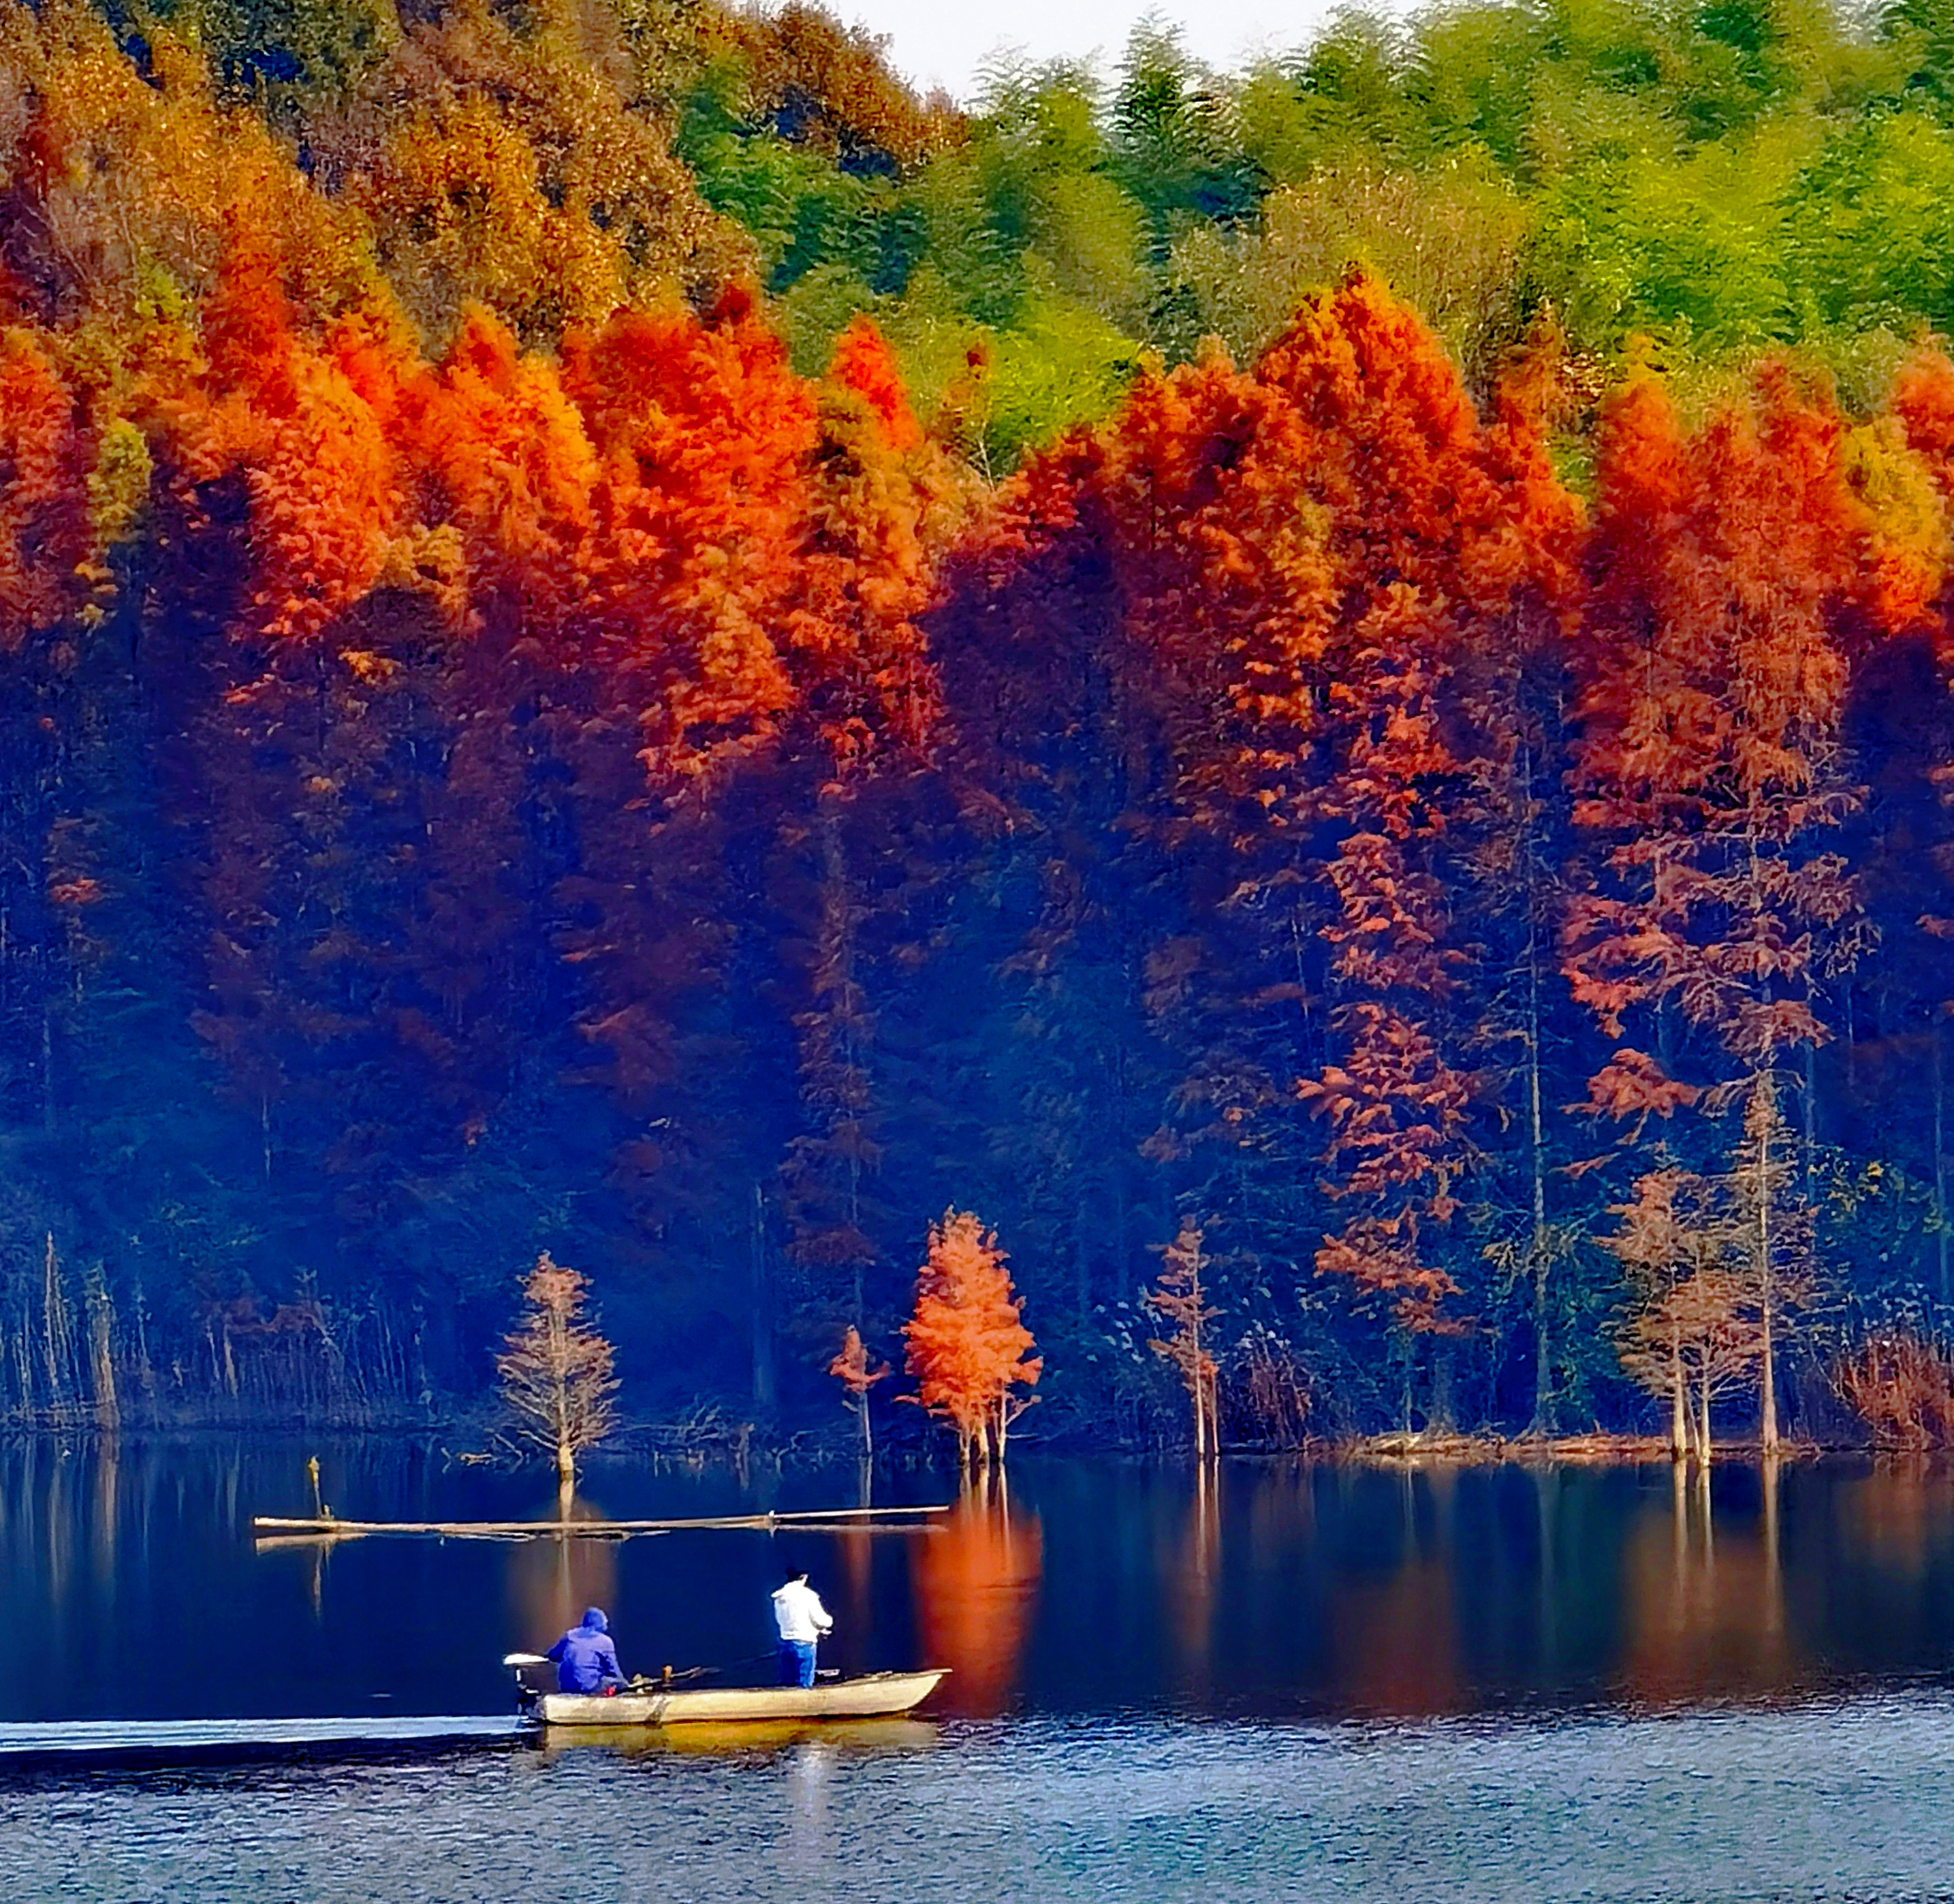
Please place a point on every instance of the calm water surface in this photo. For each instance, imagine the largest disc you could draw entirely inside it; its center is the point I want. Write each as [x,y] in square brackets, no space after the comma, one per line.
[1297,1682]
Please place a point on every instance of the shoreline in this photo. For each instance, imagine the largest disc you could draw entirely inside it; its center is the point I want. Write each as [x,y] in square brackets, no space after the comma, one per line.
[1394,1448]
[1596,1450]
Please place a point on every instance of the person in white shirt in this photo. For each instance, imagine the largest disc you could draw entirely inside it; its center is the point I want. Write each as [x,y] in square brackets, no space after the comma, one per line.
[801,1619]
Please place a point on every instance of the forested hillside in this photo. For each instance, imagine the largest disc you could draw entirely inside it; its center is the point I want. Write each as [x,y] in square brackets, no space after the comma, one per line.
[617,636]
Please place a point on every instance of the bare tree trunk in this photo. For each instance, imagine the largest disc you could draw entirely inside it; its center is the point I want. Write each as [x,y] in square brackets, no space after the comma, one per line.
[1704,1447]
[1807,1162]
[1941,1238]
[1443,1418]
[1542,1423]
[1768,1293]
[54,1332]
[1679,1418]
[101,1344]
[1203,1436]
[145,1369]
[763,1307]
[566,1453]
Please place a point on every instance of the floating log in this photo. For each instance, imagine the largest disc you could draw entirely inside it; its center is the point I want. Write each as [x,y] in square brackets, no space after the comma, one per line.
[276,1530]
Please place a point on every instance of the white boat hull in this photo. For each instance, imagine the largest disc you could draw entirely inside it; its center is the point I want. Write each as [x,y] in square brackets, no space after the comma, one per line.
[875,1695]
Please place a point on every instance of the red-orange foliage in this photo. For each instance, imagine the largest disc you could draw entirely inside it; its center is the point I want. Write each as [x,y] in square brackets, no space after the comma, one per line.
[878,508]
[1321,552]
[878,504]
[1727,566]
[1711,688]
[317,466]
[1631,1086]
[969,1348]
[43,516]
[851,1369]
[674,554]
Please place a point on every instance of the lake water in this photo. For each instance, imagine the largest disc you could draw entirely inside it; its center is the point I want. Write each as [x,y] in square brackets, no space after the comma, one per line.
[1297,1682]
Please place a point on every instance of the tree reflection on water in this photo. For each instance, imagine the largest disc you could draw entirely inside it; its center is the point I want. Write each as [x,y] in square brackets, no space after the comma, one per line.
[551,1582]
[1270,1590]
[1704,1602]
[976,1576]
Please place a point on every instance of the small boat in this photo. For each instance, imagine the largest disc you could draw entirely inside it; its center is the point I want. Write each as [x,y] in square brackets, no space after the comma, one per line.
[875,1695]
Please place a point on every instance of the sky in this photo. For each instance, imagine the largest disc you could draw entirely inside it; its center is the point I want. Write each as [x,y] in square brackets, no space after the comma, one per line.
[944,42]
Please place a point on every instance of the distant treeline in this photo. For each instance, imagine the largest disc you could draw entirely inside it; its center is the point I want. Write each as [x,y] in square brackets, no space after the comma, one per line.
[500,751]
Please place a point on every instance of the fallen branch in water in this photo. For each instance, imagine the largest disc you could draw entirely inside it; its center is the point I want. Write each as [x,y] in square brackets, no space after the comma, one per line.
[282,1530]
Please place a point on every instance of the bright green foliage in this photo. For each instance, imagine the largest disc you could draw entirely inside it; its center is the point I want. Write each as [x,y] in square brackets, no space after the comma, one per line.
[1726,178]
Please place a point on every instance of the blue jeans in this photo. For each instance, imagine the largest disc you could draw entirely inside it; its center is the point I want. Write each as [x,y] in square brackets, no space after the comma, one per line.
[796,1662]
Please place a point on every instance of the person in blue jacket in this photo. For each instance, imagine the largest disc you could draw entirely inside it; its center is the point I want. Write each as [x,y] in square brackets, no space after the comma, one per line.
[586,1656]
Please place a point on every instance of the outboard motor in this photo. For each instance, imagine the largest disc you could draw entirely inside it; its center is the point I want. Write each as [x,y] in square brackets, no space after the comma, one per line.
[534,1675]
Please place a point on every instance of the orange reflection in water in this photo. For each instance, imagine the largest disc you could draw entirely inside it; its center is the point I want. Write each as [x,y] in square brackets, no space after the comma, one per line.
[1191,1576]
[1395,1637]
[1899,1514]
[551,1581]
[1703,1600]
[976,1577]
[1396,1644]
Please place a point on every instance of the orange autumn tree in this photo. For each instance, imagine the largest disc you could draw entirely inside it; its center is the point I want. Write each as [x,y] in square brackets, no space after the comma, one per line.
[1456,544]
[1322,553]
[879,508]
[43,519]
[362,861]
[1711,772]
[1177,1298]
[556,1370]
[645,546]
[969,1348]
[850,1368]
[1686,1339]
